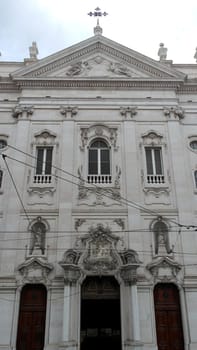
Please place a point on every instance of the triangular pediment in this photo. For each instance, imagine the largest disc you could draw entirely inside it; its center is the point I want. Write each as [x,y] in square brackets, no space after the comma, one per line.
[97,58]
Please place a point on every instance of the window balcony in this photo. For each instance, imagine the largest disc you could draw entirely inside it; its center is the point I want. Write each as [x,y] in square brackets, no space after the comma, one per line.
[42,179]
[155,179]
[99,179]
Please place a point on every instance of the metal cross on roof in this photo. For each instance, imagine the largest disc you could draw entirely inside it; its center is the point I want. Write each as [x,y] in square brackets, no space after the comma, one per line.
[97,13]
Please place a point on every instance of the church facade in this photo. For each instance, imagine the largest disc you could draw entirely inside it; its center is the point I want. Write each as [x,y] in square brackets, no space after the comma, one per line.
[98,194]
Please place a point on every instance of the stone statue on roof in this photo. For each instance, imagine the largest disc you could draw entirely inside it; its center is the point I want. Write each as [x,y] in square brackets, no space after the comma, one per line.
[162,53]
[33,51]
[195,56]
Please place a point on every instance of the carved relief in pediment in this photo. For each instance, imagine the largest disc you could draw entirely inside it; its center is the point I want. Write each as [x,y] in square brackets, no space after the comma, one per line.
[100,67]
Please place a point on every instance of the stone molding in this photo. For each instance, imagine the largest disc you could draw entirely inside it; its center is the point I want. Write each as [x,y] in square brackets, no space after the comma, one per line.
[117,83]
[128,112]
[20,111]
[174,113]
[34,270]
[164,268]
[68,111]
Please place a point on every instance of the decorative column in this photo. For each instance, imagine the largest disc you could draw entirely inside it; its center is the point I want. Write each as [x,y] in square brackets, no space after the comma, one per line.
[67,138]
[131,320]
[72,274]
[66,312]
[129,115]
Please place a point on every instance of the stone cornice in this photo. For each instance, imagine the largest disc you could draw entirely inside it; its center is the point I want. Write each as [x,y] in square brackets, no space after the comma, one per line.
[99,83]
[187,88]
[7,84]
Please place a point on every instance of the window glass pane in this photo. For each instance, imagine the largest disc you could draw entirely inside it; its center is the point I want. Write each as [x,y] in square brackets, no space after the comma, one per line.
[158,165]
[1,177]
[40,152]
[195,177]
[105,162]
[48,164]
[99,144]
[93,162]
[193,145]
[3,144]
[149,164]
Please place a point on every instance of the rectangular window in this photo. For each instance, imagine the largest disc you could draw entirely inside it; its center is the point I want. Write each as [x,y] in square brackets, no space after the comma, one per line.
[44,160]
[154,166]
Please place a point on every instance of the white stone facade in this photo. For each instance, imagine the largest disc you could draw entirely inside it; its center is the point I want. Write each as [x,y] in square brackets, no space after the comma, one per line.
[98,224]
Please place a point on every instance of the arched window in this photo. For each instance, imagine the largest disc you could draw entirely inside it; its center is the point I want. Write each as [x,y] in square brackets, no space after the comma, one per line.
[99,162]
[160,230]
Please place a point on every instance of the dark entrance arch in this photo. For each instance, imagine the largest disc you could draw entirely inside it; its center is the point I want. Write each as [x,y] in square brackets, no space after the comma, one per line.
[168,317]
[100,314]
[32,314]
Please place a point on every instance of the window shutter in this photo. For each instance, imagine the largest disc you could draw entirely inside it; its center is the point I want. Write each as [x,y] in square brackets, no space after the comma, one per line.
[149,162]
[93,162]
[1,177]
[48,164]
[158,165]
[39,164]
[105,162]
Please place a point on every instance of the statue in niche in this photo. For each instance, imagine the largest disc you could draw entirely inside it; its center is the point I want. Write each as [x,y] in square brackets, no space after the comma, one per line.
[38,233]
[161,237]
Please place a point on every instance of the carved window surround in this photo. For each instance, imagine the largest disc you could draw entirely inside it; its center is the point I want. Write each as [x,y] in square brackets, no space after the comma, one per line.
[99,130]
[87,136]
[43,183]
[152,140]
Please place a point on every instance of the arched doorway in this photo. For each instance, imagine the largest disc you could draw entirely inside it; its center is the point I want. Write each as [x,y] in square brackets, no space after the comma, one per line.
[168,317]
[32,314]
[100,314]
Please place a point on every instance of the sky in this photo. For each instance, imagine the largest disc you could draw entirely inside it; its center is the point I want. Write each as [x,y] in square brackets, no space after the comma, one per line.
[57,24]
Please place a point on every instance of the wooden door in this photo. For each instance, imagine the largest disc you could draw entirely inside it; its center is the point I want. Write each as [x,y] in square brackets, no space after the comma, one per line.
[168,317]
[32,313]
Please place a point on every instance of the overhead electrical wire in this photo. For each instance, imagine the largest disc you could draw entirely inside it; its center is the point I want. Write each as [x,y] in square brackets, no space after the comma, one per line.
[124,200]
